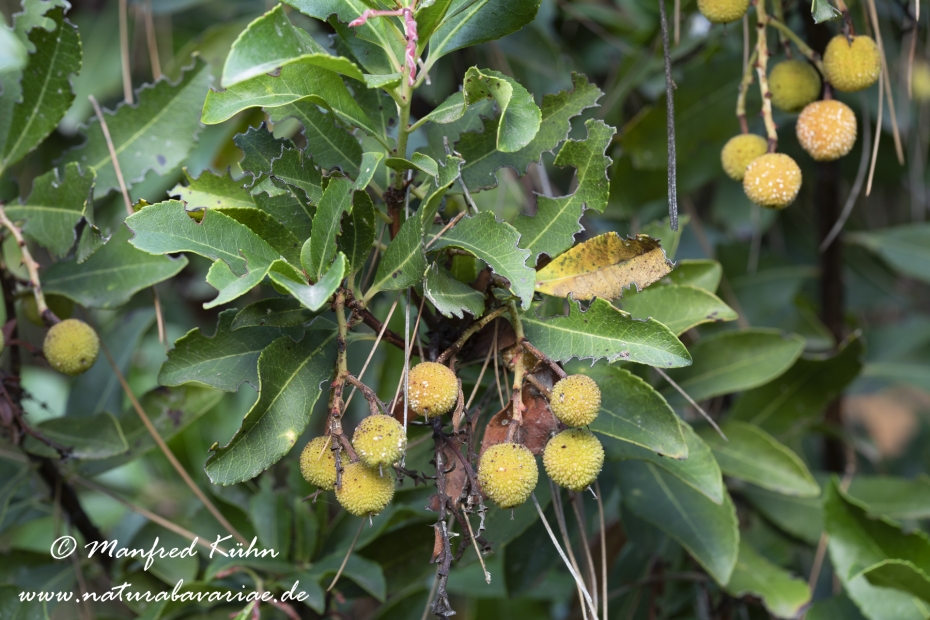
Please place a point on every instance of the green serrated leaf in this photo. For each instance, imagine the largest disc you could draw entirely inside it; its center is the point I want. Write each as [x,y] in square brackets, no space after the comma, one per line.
[470,22]
[603,332]
[519,117]
[781,593]
[858,543]
[736,361]
[451,297]
[358,231]
[112,274]
[273,312]
[299,79]
[95,437]
[45,94]
[223,361]
[797,398]
[337,199]
[166,227]
[313,297]
[551,230]
[331,145]
[480,152]
[677,307]
[260,149]
[751,454]
[286,203]
[496,243]
[296,168]
[290,377]
[369,166]
[699,470]
[266,44]
[54,207]
[404,262]
[154,134]
[212,191]
[707,530]
[634,413]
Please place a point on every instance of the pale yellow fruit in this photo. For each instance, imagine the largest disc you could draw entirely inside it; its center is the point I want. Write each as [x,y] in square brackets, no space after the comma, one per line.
[317,464]
[739,151]
[71,347]
[772,181]
[508,474]
[379,440]
[723,11]
[576,400]
[793,84]
[573,458]
[364,491]
[827,129]
[851,66]
[432,389]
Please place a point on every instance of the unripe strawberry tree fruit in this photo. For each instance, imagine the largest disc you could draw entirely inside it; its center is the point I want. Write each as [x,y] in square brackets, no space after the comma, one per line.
[328,308]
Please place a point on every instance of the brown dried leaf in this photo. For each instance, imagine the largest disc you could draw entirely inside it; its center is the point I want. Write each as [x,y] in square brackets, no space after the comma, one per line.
[538,421]
[603,267]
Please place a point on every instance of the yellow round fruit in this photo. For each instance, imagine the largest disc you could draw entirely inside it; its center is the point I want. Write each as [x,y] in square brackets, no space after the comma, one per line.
[794,84]
[723,11]
[772,181]
[317,464]
[62,307]
[851,66]
[508,474]
[71,347]
[379,440]
[739,151]
[576,400]
[432,389]
[364,490]
[573,458]
[827,129]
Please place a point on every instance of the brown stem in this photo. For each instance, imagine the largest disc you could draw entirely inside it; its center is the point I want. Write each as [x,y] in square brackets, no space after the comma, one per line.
[31,266]
[468,333]
[542,357]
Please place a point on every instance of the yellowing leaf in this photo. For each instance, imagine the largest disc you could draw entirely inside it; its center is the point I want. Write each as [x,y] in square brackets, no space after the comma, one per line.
[603,267]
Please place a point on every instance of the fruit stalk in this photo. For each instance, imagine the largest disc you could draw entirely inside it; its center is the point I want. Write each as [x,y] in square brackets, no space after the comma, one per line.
[31,266]
[516,419]
[744,85]
[762,70]
[468,333]
[342,367]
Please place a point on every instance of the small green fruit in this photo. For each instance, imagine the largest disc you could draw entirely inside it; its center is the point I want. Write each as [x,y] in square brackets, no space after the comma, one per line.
[71,347]
[794,83]
[379,440]
[364,490]
[573,458]
[508,474]
[576,400]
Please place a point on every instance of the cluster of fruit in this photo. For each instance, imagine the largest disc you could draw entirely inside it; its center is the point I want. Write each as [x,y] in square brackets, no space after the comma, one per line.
[507,472]
[71,346]
[826,128]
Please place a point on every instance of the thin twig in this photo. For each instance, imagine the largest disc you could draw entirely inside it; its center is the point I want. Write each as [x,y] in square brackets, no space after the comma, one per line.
[878,135]
[497,376]
[600,517]
[898,148]
[566,539]
[670,122]
[576,499]
[401,385]
[474,542]
[151,516]
[124,50]
[345,560]
[452,222]
[167,451]
[476,327]
[159,317]
[762,71]
[558,548]
[693,404]
[374,347]
[150,39]
[32,267]
[484,367]
[112,149]
[461,181]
